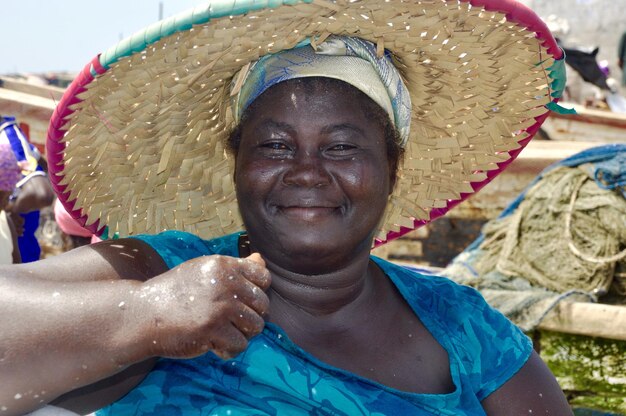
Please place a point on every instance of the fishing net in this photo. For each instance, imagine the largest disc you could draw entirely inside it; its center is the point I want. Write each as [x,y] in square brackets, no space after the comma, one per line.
[564,238]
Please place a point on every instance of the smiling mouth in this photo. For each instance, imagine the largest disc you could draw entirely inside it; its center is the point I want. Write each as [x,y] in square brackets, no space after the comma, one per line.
[308,213]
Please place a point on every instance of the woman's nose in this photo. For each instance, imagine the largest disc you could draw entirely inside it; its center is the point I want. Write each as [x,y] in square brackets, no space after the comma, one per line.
[307,170]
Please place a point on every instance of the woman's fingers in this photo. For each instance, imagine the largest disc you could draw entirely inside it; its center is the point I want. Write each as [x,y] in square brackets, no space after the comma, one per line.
[229,343]
[256,258]
[253,296]
[256,272]
[248,321]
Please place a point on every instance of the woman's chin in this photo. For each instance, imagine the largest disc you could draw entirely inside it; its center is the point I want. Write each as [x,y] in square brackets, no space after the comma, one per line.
[315,251]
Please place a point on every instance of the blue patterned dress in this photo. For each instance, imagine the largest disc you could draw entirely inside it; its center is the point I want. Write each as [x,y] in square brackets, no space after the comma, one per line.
[273,376]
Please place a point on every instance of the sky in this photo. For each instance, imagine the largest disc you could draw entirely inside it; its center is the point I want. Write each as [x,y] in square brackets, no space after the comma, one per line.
[38,36]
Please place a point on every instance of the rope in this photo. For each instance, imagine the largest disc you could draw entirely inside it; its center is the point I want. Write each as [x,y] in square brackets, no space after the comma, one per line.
[568,233]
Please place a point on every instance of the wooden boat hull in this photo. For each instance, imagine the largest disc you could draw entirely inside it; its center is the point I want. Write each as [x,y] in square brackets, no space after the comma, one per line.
[587,125]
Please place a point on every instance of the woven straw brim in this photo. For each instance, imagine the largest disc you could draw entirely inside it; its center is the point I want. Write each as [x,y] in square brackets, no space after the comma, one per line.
[141,147]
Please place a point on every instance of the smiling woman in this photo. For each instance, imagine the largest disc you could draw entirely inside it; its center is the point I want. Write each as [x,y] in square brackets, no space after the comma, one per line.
[249,157]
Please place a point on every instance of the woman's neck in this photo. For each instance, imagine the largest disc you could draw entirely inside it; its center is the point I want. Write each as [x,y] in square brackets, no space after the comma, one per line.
[317,294]
[322,294]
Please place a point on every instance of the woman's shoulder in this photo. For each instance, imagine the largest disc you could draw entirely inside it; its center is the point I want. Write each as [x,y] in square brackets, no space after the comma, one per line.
[176,247]
[459,317]
[419,285]
[453,305]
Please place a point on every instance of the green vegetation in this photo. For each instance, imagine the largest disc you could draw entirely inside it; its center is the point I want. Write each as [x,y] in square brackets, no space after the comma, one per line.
[591,371]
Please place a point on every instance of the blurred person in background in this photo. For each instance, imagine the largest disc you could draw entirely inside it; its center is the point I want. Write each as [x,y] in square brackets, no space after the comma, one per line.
[10,174]
[33,191]
[621,56]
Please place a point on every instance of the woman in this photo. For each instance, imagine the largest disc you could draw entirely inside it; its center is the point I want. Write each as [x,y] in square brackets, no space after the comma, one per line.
[291,316]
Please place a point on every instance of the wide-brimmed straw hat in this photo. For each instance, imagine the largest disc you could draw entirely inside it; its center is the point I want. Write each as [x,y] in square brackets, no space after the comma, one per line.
[136,145]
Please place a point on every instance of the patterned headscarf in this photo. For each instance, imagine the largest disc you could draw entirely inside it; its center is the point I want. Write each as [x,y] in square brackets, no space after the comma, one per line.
[10,172]
[351,60]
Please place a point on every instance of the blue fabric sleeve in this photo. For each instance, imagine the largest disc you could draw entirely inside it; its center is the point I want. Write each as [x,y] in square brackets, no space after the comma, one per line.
[500,346]
[176,247]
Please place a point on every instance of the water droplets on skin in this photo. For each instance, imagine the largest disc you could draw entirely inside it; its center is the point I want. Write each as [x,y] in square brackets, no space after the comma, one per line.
[17,396]
[206,268]
[4,408]
[213,281]
[56,294]
[231,277]
[122,305]
[191,298]
[235,296]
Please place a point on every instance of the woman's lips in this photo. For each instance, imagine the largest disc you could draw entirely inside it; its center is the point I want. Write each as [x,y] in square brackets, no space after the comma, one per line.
[307,213]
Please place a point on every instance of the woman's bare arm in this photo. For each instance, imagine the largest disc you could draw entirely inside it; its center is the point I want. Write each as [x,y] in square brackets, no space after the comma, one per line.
[532,391]
[65,322]
[87,315]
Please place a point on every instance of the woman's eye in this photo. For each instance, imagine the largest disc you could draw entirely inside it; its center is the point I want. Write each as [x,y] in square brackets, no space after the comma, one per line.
[342,147]
[275,146]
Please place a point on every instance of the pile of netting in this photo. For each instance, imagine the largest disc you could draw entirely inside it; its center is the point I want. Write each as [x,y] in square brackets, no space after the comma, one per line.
[564,237]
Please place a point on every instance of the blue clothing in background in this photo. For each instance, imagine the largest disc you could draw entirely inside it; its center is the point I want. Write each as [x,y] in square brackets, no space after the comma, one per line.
[273,376]
[27,242]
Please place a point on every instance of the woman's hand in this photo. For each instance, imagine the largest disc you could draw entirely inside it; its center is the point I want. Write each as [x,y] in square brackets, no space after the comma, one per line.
[212,303]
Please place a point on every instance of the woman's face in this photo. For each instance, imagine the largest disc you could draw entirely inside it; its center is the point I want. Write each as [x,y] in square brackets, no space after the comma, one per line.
[312,176]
